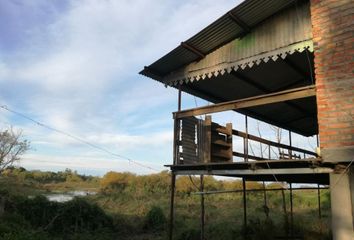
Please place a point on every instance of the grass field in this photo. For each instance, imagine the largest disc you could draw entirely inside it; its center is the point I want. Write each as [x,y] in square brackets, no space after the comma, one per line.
[136,207]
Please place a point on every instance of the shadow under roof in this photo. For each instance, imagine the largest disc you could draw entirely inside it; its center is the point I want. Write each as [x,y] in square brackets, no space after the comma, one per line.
[273,54]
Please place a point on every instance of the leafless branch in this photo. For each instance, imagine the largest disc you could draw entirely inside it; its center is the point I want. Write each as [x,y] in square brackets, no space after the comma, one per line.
[11,147]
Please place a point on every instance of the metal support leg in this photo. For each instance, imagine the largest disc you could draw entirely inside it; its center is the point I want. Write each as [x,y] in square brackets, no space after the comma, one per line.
[202,215]
[245,145]
[290,144]
[319,201]
[244,208]
[286,222]
[172,200]
[265,206]
[291,212]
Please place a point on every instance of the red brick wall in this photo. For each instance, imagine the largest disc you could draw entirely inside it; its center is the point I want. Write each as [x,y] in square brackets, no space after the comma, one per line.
[333,37]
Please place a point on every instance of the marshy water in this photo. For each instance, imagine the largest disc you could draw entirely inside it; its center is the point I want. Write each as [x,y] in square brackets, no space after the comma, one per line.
[67,196]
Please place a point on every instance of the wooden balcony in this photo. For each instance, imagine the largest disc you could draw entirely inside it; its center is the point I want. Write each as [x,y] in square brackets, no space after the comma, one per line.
[205,147]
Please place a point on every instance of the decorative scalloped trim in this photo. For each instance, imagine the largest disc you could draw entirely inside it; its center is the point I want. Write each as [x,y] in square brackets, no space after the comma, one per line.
[223,68]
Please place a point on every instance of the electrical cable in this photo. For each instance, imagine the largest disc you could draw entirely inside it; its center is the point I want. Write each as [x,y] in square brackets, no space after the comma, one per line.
[77,138]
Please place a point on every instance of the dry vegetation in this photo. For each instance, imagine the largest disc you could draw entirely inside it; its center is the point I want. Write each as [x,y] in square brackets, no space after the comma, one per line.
[129,206]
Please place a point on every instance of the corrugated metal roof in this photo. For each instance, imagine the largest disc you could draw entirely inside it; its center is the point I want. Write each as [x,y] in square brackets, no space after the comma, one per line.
[223,30]
[281,41]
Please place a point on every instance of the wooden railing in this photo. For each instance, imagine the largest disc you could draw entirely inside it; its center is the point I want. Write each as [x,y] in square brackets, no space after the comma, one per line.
[203,141]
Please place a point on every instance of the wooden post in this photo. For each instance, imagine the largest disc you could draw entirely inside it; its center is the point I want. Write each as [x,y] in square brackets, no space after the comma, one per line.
[265,207]
[179,98]
[291,212]
[176,129]
[290,144]
[244,208]
[317,141]
[229,140]
[319,201]
[269,154]
[202,215]
[207,140]
[319,206]
[286,223]
[246,140]
[175,161]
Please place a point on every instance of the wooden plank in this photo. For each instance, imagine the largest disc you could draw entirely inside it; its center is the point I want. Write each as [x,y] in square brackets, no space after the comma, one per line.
[218,159]
[221,143]
[189,159]
[224,152]
[268,142]
[215,136]
[242,155]
[187,148]
[221,129]
[187,130]
[192,152]
[220,155]
[282,96]
[229,133]
[187,156]
[207,140]
[268,161]
[250,172]
[188,138]
[189,144]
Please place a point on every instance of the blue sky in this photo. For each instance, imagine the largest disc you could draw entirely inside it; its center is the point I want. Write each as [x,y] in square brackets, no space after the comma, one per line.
[73,65]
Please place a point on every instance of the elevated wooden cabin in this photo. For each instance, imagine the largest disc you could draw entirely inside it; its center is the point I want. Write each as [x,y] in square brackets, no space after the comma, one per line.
[265,59]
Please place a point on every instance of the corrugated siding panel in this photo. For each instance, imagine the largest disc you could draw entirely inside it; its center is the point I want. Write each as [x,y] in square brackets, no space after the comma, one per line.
[282,34]
[218,33]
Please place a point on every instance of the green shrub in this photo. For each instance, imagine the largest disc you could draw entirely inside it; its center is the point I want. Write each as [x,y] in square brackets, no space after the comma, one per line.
[189,234]
[70,217]
[258,229]
[155,219]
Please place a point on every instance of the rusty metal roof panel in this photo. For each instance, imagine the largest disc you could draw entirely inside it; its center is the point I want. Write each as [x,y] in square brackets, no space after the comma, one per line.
[174,59]
[223,30]
[279,36]
[256,11]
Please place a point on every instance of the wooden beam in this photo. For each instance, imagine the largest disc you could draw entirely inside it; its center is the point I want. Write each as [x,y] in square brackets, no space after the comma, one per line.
[255,172]
[260,87]
[250,82]
[254,190]
[193,49]
[152,72]
[271,143]
[242,155]
[216,99]
[297,69]
[239,22]
[282,96]
[290,85]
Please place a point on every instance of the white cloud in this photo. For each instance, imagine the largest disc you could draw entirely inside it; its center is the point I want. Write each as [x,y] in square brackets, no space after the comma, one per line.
[86,164]
[78,72]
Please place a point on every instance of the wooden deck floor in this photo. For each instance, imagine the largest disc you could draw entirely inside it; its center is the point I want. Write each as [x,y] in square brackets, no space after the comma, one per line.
[310,170]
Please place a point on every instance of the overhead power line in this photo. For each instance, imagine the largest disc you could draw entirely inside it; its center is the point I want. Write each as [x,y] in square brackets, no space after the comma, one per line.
[78,139]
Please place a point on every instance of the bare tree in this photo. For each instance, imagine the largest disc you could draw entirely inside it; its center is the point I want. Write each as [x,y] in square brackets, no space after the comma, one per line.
[278,135]
[12,146]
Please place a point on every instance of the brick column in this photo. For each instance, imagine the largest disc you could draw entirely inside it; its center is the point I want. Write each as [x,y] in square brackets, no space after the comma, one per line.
[332,23]
[333,38]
